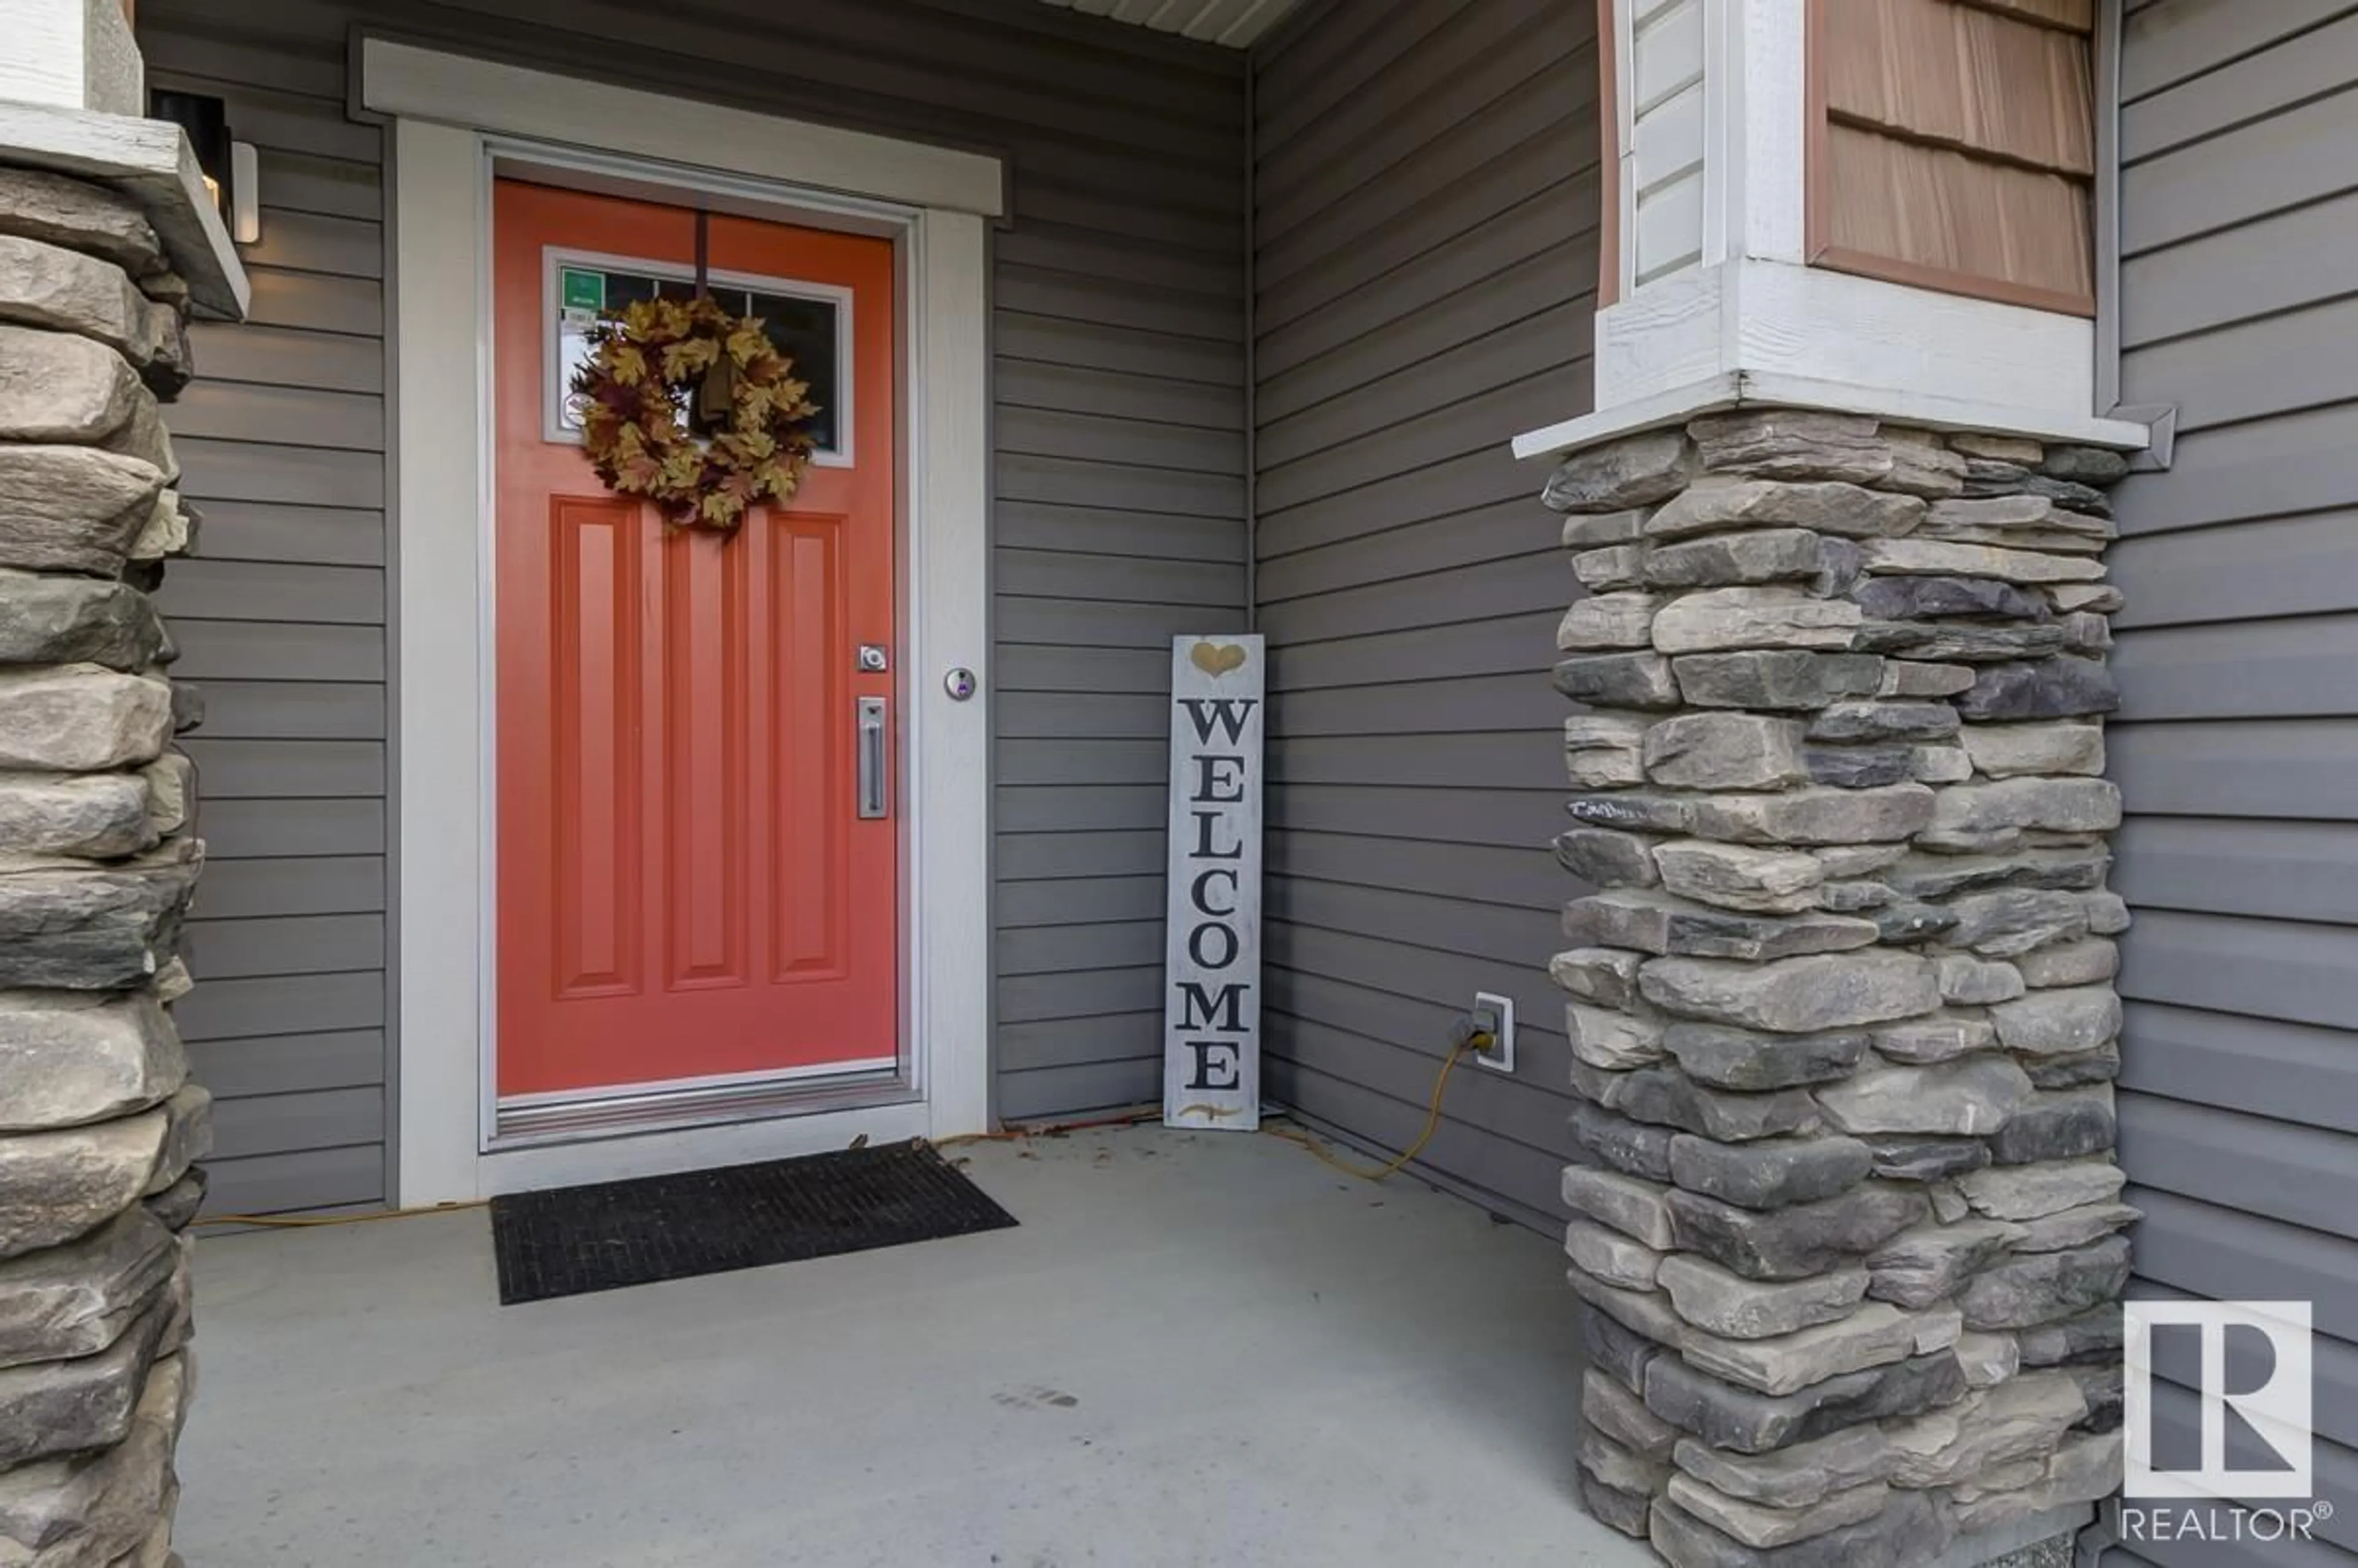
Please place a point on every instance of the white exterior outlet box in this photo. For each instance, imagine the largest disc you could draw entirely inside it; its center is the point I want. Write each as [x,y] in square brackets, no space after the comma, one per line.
[1499,1010]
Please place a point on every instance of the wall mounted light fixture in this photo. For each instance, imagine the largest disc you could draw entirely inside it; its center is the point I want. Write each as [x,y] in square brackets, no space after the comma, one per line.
[244,194]
[206,121]
[230,167]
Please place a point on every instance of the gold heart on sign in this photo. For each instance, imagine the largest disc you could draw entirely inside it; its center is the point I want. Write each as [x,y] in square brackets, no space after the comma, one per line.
[1217,659]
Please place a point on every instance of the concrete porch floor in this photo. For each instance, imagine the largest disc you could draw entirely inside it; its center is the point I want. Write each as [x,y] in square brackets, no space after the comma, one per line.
[1195,1349]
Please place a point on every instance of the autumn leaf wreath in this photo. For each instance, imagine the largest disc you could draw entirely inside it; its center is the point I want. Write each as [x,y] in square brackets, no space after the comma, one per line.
[694,409]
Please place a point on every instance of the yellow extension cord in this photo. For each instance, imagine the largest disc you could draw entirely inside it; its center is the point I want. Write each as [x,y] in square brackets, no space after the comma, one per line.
[1432,1124]
[1301,1140]
[305,1222]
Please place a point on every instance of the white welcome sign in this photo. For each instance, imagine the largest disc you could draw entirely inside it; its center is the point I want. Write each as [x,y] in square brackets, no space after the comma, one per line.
[1211,978]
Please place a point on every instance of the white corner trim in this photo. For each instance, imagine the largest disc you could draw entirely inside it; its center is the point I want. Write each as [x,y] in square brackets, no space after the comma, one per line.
[71,54]
[1744,62]
[1755,331]
[441,309]
[948,741]
[1770,82]
[441,617]
[1723,132]
[414,83]
[1623,151]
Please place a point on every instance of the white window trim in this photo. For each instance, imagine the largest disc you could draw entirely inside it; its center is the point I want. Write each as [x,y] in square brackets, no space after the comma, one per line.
[447,112]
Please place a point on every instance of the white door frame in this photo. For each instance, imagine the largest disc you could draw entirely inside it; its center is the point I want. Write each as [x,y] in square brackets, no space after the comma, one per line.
[449,114]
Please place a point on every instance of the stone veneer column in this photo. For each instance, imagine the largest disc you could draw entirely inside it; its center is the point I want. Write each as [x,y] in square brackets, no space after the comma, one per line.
[98,1121]
[1842,1014]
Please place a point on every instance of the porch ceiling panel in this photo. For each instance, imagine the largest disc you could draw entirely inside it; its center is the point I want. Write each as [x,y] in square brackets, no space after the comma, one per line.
[1236,22]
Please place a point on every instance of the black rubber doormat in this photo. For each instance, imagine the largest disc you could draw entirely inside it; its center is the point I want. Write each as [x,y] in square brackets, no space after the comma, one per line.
[571,1240]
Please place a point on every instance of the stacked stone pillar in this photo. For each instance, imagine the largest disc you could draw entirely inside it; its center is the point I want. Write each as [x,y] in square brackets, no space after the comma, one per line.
[99,1123]
[1842,1014]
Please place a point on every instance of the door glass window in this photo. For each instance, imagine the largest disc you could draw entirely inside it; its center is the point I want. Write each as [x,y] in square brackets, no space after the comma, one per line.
[810,328]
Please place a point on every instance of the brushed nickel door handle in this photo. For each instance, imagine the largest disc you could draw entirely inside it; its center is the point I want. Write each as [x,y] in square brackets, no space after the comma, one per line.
[871,713]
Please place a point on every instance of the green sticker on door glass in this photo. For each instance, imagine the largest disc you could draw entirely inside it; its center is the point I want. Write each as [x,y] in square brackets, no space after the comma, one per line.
[584,290]
[580,300]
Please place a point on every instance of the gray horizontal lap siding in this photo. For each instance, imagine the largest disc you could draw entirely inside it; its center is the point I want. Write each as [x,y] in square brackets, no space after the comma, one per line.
[2237,746]
[281,622]
[1117,332]
[1426,208]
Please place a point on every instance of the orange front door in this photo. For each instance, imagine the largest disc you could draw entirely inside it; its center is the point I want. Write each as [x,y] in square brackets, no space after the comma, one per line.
[689,888]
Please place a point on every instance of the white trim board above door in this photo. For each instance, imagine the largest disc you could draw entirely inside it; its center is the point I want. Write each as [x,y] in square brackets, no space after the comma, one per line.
[408,82]
[452,115]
